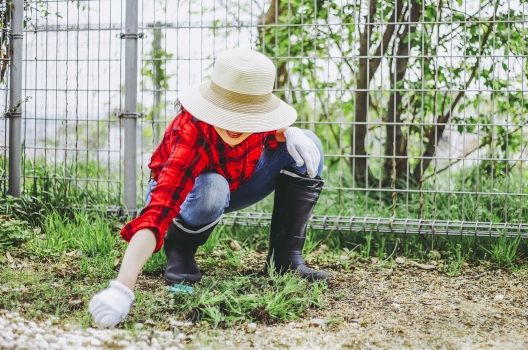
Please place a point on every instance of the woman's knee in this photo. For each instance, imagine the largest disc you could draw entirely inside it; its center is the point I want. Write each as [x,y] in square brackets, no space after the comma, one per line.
[207,201]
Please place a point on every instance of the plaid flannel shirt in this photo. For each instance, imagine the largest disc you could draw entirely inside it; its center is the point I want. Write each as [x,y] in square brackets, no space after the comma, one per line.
[190,147]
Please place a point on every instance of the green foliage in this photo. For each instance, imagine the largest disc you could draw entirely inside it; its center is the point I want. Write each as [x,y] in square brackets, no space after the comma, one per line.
[60,187]
[156,79]
[33,10]
[505,250]
[236,299]
[31,209]
[156,264]
[456,262]
[214,240]
[89,234]
[310,244]
[12,233]
[315,46]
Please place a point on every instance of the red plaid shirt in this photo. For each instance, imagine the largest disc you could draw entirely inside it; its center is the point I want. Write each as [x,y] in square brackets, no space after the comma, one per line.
[188,148]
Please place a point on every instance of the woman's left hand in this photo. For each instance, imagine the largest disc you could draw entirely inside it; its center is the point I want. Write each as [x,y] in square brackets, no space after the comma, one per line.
[303,150]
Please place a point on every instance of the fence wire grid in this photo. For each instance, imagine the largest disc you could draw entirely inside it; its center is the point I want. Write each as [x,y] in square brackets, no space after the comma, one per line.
[421,105]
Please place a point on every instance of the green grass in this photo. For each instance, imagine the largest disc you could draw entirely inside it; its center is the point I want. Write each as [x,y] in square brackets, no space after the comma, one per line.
[156,264]
[504,250]
[243,298]
[13,233]
[70,258]
[455,262]
[90,234]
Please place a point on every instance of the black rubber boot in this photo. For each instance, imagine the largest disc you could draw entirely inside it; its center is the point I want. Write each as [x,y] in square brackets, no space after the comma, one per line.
[295,197]
[181,242]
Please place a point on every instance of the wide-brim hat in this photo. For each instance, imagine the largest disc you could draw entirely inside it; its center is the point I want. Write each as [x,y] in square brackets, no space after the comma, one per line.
[239,97]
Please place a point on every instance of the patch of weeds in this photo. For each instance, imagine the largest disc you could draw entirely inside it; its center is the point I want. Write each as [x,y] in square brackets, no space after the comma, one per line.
[233,259]
[254,238]
[504,250]
[235,299]
[213,241]
[37,294]
[456,262]
[381,251]
[311,243]
[334,322]
[90,234]
[151,304]
[97,268]
[521,269]
[13,233]
[31,209]
[156,264]
[366,248]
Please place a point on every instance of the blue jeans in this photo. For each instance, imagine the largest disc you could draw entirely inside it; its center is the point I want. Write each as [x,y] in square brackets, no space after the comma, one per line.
[210,196]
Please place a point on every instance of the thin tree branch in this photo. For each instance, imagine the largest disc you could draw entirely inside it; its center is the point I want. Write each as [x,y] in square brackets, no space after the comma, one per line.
[468,153]
[443,119]
[396,15]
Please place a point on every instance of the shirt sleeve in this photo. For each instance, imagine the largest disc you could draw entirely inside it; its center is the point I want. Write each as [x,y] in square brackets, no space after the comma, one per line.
[186,161]
[271,141]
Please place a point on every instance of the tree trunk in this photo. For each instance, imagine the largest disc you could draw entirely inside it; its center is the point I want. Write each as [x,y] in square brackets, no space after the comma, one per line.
[358,161]
[366,71]
[272,17]
[396,142]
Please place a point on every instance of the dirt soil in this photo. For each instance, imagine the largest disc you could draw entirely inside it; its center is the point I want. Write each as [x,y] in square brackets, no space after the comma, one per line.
[373,307]
[404,308]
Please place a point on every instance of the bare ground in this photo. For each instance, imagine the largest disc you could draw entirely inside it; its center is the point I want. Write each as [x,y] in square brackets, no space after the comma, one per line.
[405,308]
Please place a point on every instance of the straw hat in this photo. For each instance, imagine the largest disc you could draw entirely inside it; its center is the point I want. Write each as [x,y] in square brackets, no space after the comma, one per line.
[239,95]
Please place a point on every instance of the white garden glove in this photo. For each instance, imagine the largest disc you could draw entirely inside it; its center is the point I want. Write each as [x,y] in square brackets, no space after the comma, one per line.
[111,305]
[303,150]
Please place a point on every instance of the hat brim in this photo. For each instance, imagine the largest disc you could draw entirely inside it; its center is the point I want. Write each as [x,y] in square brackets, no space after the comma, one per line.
[193,101]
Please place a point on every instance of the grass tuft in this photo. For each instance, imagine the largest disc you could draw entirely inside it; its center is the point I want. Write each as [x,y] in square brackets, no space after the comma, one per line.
[89,234]
[504,250]
[249,298]
[12,233]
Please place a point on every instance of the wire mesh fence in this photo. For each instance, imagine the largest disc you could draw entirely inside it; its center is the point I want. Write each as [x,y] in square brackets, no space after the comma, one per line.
[421,105]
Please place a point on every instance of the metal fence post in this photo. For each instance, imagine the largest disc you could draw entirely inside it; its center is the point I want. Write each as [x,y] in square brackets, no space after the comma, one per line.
[15,101]
[156,47]
[129,114]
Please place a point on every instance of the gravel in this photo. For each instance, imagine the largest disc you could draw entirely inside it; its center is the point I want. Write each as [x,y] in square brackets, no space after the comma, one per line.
[18,333]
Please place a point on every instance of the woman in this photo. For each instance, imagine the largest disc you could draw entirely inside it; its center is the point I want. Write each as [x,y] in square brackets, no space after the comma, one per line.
[229,147]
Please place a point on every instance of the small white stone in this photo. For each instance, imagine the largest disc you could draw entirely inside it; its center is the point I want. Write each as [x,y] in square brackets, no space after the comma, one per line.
[144,338]
[50,338]
[499,297]
[150,322]
[141,345]
[317,322]
[42,344]
[154,343]
[400,260]
[123,343]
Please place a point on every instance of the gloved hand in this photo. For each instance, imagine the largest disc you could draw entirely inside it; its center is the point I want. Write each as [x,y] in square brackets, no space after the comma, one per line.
[303,150]
[111,305]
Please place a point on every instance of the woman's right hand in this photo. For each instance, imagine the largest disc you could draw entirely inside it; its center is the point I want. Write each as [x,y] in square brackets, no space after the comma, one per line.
[111,305]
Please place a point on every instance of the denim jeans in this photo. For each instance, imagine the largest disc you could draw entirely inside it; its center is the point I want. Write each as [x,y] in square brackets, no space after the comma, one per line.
[210,196]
